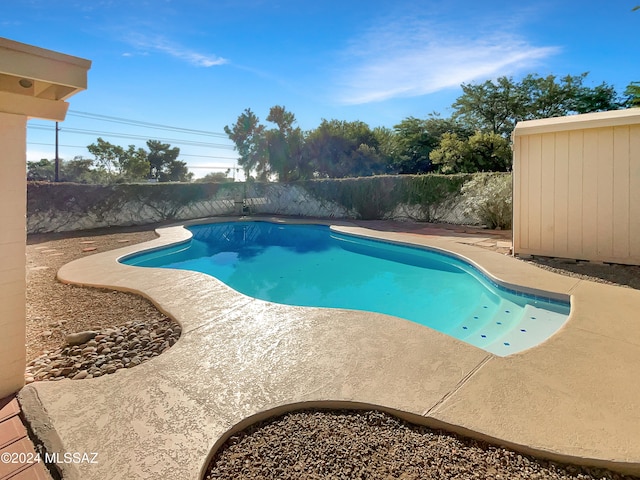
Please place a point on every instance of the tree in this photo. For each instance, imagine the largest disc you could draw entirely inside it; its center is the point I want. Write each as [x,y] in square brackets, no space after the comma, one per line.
[488,152]
[343,149]
[496,107]
[387,146]
[216,177]
[120,165]
[544,97]
[550,98]
[78,170]
[134,164]
[81,170]
[41,171]
[176,171]
[491,107]
[633,94]
[415,139]
[107,155]
[600,98]
[164,164]
[482,152]
[451,154]
[285,146]
[251,144]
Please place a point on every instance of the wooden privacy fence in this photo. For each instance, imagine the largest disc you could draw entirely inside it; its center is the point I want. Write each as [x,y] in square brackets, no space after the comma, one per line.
[576,191]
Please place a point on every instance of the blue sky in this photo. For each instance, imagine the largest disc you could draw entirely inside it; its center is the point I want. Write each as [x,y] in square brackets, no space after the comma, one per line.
[197,64]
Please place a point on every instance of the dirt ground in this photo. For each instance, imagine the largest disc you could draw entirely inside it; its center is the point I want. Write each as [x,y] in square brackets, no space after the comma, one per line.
[55,309]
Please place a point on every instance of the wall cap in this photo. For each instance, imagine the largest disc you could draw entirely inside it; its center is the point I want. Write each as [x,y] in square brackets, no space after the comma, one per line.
[612,118]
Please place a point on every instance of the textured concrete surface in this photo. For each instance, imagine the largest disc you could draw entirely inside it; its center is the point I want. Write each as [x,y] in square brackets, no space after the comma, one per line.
[239,359]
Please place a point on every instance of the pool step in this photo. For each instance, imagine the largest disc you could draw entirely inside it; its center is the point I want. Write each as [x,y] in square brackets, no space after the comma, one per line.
[492,325]
[535,326]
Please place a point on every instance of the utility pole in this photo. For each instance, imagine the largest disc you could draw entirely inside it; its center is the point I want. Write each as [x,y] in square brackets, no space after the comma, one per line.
[57,172]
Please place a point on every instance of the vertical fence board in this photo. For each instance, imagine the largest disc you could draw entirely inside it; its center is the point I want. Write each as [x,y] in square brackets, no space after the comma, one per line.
[621,181]
[634,192]
[575,194]
[590,195]
[515,178]
[561,191]
[605,193]
[534,191]
[547,192]
[524,181]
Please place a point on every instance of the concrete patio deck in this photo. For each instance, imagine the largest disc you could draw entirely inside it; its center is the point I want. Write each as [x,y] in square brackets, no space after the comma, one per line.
[574,398]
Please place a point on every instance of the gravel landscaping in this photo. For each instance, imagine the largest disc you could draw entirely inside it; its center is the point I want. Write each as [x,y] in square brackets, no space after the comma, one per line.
[124,330]
[363,445]
[55,310]
[103,352]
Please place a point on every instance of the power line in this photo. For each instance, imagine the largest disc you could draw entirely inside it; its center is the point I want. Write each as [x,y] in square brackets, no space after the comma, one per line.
[207,156]
[136,137]
[126,121]
[181,155]
[209,167]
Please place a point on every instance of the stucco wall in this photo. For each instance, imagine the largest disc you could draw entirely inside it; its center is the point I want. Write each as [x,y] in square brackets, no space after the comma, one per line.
[577,187]
[12,252]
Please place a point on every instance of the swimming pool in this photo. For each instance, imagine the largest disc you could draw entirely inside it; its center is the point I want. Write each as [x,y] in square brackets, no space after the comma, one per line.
[311,265]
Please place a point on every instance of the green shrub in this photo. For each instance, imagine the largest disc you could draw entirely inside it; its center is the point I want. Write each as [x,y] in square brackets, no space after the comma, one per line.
[372,198]
[488,196]
[166,199]
[369,197]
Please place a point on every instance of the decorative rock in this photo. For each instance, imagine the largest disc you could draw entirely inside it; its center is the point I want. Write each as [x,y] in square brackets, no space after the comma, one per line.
[104,352]
[80,337]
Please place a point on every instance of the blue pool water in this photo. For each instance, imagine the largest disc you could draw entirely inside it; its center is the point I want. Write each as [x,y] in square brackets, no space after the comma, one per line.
[310,265]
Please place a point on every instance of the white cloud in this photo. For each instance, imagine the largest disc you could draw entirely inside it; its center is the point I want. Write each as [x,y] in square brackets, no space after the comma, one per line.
[413,57]
[162,45]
